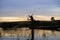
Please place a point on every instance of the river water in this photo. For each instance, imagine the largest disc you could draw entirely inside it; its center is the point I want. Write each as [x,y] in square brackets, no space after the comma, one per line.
[25,34]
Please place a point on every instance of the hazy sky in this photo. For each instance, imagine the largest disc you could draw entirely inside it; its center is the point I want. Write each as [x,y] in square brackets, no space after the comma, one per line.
[25,7]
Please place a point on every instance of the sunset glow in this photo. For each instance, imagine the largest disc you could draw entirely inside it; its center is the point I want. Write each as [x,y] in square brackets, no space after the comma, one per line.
[24,18]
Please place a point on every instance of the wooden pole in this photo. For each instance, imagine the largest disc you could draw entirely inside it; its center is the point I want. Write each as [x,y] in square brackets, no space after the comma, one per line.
[32,34]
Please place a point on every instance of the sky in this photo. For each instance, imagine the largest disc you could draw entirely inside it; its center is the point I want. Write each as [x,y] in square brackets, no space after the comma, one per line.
[26,7]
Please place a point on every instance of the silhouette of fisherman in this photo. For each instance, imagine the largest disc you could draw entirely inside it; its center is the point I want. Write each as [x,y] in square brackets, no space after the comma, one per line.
[32,21]
[53,24]
[31,17]
[32,26]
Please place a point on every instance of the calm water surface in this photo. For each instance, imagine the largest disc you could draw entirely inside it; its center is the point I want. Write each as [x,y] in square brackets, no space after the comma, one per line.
[25,34]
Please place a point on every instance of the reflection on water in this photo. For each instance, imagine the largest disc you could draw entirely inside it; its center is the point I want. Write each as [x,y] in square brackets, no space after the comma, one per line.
[24,34]
[26,38]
